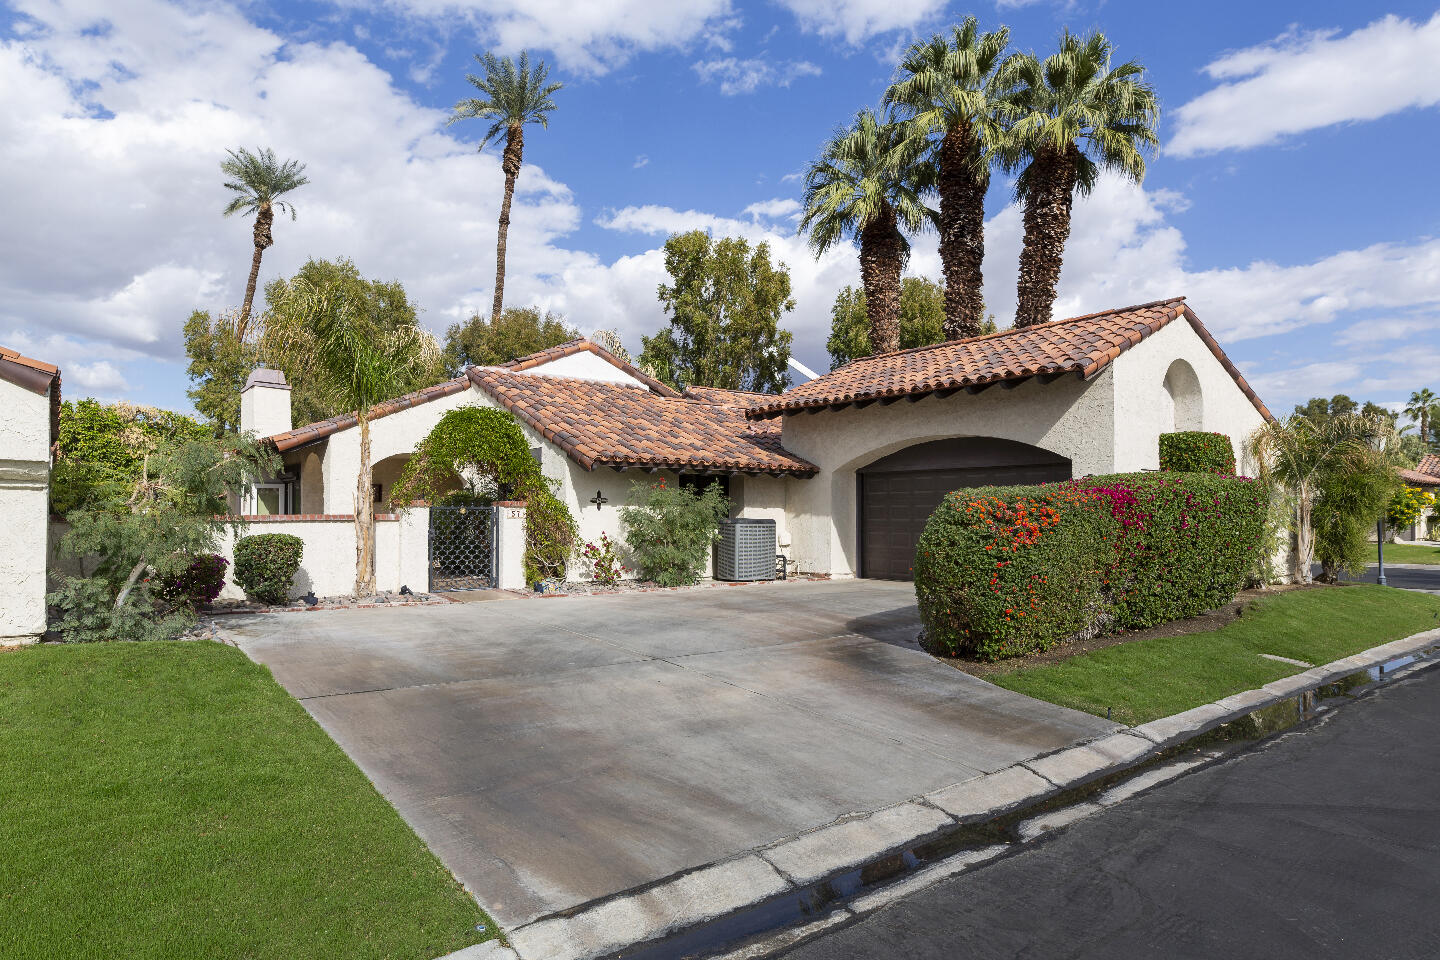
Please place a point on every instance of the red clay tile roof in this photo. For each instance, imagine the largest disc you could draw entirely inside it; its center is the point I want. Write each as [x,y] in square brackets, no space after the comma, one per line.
[1081,346]
[733,398]
[324,428]
[611,424]
[1429,465]
[582,345]
[1419,479]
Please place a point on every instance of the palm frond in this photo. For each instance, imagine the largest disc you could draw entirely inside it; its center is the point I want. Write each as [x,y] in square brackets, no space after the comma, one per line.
[513,94]
[257,178]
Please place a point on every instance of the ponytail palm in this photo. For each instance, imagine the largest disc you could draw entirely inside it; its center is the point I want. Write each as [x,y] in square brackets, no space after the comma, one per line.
[357,366]
[867,185]
[949,87]
[1074,116]
[511,96]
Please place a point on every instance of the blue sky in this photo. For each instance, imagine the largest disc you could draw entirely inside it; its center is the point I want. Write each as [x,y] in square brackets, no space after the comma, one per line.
[1292,199]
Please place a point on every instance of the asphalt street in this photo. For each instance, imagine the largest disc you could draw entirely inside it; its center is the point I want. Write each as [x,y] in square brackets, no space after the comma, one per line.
[1409,577]
[1322,843]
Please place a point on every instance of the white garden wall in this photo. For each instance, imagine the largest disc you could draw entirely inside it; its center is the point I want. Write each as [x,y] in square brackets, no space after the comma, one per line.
[25,505]
[327,566]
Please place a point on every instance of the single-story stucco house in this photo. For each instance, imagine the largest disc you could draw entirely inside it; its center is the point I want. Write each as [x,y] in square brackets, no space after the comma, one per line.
[29,426]
[1425,476]
[848,465]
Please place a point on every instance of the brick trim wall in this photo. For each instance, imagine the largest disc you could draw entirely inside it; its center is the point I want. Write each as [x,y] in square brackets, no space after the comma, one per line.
[310,517]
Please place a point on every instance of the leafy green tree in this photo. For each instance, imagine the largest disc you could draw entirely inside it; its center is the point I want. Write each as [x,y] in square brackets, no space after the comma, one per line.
[867,184]
[220,359]
[258,181]
[511,96]
[725,302]
[949,88]
[922,320]
[670,530]
[1073,116]
[353,364]
[101,450]
[377,309]
[1334,475]
[129,538]
[518,331]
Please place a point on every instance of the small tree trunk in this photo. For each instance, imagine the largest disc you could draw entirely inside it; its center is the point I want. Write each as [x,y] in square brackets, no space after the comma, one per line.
[510,163]
[1047,227]
[264,217]
[364,515]
[1304,552]
[882,257]
[962,233]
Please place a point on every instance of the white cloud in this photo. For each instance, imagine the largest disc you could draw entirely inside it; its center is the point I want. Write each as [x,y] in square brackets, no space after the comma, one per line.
[1320,379]
[1382,329]
[1306,81]
[640,161]
[746,76]
[778,208]
[858,20]
[590,37]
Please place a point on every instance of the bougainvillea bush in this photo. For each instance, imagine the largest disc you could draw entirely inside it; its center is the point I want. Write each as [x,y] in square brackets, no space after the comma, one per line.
[199,583]
[1005,571]
[1196,451]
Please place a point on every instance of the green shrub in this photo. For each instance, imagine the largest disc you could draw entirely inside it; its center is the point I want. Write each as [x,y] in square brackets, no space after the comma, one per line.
[670,530]
[1004,571]
[1196,451]
[266,564]
[605,566]
[1188,542]
[83,611]
[197,584]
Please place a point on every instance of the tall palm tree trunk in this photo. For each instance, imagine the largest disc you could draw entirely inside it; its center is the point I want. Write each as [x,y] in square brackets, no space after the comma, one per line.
[364,514]
[962,234]
[882,257]
[264,218]
[1303,545]
[510,163]
[1047,226]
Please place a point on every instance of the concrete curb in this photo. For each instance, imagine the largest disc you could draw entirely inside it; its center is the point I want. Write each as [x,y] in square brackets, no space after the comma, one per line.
[838,859]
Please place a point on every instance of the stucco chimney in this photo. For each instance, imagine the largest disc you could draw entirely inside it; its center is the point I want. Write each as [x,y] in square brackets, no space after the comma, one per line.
[265,403]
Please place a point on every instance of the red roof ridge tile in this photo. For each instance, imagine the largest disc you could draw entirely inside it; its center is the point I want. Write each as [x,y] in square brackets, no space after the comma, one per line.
[585,344]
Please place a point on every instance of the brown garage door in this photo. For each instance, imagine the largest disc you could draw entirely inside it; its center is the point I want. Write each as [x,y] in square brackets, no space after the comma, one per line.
[898,494]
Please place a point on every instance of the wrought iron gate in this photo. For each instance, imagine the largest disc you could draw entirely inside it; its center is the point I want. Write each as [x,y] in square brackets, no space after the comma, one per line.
[462,548]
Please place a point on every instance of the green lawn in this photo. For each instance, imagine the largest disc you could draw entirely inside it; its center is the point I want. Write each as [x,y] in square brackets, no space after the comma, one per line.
[1154,678]
[1410,553]
[171,800]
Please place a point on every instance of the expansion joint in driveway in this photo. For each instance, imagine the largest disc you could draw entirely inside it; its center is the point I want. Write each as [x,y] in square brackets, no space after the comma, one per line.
[807,884]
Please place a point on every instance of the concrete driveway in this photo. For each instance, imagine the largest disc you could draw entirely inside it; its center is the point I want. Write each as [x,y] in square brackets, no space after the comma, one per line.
[557,752]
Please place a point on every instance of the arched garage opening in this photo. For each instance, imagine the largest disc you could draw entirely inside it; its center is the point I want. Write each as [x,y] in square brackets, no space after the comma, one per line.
[898,493]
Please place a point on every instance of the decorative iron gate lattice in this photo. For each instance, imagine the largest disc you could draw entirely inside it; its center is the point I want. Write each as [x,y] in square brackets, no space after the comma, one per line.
[462,548]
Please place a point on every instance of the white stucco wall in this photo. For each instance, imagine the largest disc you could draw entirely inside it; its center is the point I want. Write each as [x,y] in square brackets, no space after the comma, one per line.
[327,564]
[1143,409]
[1068,416]
[585,366]
[24,503]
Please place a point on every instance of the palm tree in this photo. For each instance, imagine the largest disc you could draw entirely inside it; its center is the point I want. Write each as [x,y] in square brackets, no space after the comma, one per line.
[1305,459]
[867,184]
[358,368]
[512,97]
[950,87]
[1073,116]
[259,181]
[1421,403]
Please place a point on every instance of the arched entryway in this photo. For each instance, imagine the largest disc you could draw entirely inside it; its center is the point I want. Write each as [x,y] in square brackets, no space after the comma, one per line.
[898,493]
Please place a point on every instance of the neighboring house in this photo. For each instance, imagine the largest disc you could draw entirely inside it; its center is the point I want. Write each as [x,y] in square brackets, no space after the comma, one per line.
[1426,476]
[848,465]
[29,426]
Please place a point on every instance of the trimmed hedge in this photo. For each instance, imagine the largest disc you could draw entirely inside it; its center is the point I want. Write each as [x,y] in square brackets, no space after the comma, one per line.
[266,564]
[1006,571]
[1196,451]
